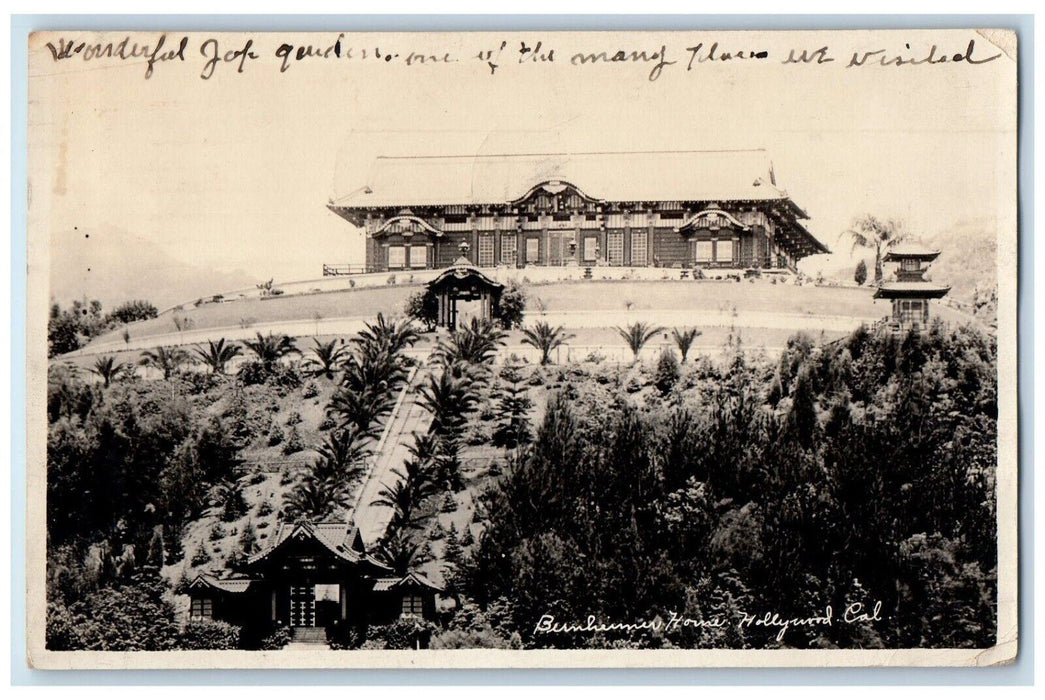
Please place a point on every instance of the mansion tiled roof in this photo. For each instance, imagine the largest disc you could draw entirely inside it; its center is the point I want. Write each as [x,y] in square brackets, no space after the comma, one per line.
[613,176]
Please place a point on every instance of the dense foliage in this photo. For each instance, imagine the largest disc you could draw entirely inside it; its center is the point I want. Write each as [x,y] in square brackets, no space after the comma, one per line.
[855,473]
[69,329]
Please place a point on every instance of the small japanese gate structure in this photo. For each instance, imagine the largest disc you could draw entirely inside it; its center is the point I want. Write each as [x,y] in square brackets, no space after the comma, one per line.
[463,281]
[911,292]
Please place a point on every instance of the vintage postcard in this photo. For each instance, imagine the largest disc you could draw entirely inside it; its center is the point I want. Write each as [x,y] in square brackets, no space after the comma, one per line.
[605,349]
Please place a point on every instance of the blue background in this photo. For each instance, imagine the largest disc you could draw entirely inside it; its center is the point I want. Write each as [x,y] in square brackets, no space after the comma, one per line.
[1020,673]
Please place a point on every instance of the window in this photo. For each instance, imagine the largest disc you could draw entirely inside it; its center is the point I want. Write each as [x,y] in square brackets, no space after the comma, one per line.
[202,609]
[724,252]
[703,251]
[638,248]
[413,605]
[912,311]
[533,250]
[485,251]
[591,247]
[418,256]
[508,250]
[615,247]
[396,257]
[910,264]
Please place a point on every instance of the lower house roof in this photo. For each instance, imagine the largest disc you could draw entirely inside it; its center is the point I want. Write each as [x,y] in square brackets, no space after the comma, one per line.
[235,585]
[342,539]
[412,580]
[911,290]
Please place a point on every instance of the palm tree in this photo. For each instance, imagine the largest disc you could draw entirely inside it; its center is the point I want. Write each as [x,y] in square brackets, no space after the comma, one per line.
[448,396]
[359,409]
[875,234]
[637,335]
[326,358]
[108,369]
[341,455]
[684,340]
[165,358]
[475,344]
[404,501]
[316,499]
[271,348]
[399,550]
[217,354]
[545,338]
[391,336]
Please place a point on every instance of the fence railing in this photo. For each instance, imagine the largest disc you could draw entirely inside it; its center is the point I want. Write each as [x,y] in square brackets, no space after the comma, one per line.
[341,269]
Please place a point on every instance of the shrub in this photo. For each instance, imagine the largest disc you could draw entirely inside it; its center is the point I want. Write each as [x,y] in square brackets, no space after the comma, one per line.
[404,633]
[311,390]
[265,508]
[667,372]
[209,634]
[252,372]
[275,435]
[294,442]
[449,503]
[200,557]
[131,311]
[860,274]
[294,418]
[217,531]
[512,306]
[423,307]
[279,638]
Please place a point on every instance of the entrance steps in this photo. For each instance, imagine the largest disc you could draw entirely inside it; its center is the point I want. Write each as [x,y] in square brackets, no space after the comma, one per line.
[308,635]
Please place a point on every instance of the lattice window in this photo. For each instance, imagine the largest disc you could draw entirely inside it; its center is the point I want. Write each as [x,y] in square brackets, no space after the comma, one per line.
[912,311]
[486,251]
[509,250]
[202,609]
[591,245]
[704,251]
[413,605]
[396,257]
[615,247]
[724,251]
[638,248]
[533,250]
[418,256]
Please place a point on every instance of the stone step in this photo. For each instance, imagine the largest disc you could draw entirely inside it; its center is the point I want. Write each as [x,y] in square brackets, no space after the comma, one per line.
[309,635]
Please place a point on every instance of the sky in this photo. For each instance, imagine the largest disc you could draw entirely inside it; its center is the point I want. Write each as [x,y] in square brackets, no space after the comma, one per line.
[234,173]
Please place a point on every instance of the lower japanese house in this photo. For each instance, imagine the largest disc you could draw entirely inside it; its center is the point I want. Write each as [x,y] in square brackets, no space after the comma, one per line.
[314,578]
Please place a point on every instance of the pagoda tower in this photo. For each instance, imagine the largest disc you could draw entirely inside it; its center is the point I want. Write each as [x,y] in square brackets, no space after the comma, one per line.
[910,292]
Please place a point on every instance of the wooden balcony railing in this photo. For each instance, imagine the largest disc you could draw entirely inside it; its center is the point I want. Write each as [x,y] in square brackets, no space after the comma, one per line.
[338,270]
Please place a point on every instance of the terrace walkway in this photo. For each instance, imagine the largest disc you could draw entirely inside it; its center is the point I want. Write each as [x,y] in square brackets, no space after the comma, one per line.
[391,451]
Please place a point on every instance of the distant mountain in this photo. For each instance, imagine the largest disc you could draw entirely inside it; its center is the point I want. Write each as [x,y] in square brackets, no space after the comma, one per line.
[968,257]
[113,265]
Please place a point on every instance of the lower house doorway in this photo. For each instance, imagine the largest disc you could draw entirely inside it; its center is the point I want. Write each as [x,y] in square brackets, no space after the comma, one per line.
[302,606]
[317,605]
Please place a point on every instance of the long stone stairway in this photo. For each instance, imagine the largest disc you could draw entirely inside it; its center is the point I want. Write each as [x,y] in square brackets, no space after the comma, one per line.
[392,450]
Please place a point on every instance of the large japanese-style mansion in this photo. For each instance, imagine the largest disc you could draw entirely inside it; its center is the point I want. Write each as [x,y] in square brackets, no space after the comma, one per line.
[681,209]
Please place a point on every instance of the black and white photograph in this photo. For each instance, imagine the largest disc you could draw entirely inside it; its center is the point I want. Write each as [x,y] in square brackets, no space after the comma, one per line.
[522,349]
